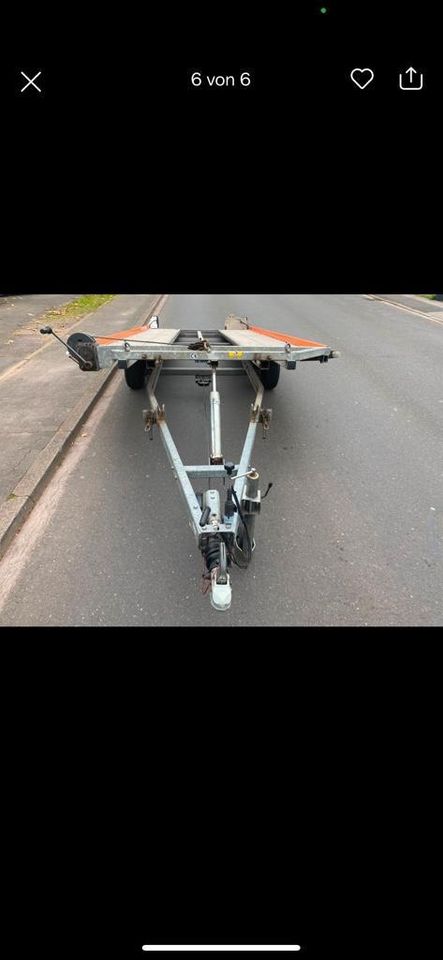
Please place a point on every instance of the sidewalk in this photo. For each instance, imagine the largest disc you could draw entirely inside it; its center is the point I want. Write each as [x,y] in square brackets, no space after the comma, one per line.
[19,324]
[43,400]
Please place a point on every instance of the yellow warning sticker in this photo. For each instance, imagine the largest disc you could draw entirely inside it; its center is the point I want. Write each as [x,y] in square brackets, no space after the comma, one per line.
[235,354]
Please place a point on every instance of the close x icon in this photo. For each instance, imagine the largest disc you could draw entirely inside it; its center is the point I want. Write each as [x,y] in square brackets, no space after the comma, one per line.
[30,82]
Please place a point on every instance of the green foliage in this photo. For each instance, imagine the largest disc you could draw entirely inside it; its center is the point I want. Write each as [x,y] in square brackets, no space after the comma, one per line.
[68,312]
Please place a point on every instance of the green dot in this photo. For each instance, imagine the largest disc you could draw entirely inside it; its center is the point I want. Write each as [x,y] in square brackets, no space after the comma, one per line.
[323,9]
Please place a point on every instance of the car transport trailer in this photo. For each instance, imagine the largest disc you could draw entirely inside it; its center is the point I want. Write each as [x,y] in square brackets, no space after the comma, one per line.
[222,518]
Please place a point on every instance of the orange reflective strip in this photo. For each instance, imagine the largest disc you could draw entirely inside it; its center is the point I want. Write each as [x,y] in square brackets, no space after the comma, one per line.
[287,338]
[121,334]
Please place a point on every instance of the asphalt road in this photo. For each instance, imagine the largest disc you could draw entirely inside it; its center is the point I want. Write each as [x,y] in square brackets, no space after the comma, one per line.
[352,530]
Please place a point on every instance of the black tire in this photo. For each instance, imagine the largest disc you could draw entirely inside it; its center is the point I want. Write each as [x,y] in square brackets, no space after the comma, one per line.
[269,376]
[135,375]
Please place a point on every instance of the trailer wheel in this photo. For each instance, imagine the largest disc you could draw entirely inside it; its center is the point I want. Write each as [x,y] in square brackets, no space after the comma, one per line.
[135,375]
[269,376]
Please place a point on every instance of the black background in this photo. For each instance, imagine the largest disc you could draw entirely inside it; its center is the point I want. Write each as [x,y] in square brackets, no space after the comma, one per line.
[217,806]
[122,176]
[157,790]
[178,786]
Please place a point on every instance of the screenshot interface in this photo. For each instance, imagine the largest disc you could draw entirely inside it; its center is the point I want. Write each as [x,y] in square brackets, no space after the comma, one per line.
[264,429]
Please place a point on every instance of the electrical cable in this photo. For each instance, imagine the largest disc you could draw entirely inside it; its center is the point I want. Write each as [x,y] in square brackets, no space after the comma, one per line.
[247,537]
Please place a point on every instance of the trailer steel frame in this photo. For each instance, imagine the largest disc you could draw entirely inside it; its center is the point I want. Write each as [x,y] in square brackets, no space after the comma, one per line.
[224,532]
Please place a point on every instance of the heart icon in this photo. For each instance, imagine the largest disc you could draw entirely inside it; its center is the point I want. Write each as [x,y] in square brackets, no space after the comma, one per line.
[358,75]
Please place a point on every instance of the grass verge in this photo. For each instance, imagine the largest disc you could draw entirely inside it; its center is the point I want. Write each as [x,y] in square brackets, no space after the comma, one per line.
[76,308]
